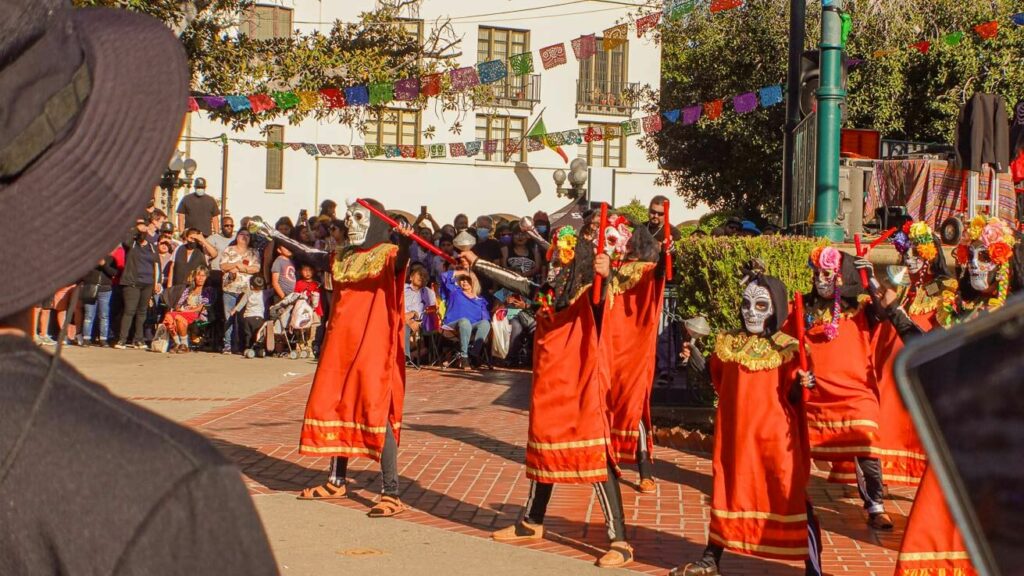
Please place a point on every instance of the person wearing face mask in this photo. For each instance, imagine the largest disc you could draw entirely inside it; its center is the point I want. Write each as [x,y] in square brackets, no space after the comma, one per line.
[762,460]
[486,247]
[843,411]
[542,223]
[199,211]
[194,253]
[988,258]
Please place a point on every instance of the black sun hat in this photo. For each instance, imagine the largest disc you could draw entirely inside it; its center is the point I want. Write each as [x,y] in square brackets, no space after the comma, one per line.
[94,100]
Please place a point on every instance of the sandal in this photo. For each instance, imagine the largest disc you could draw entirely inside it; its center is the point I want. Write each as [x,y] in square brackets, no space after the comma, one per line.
[387,507]
[619,555]
[647,486]
[326,491]
[519,532]
[706,567]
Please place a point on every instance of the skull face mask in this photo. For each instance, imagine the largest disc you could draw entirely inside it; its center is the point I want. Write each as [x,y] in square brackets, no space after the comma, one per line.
[357,220]
[825,283]
[914,263]
[980,268]
[756,308]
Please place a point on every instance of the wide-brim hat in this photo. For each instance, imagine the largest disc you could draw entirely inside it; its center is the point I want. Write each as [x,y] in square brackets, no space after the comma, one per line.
[697,326]
[72,204]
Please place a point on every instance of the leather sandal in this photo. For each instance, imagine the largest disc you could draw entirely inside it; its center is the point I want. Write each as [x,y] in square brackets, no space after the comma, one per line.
[705,567]
[647,486]
[519,532]
[880,521]
[387,507]
[619,555]
[326,491]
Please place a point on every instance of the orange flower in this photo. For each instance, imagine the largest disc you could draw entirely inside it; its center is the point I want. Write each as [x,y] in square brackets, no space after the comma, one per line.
[816,255]
[999,252]
[927,252]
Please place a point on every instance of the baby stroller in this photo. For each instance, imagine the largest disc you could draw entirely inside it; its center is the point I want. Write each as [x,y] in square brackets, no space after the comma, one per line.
[294,319]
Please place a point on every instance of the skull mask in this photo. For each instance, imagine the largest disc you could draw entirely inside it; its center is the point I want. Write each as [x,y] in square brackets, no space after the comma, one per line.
[357,220]
[980,268]
[825,282]
[914,263]
[756,308]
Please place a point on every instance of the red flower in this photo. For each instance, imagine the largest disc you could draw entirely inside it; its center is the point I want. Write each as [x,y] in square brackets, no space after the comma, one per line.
[906,227]
[1000,252]
[962,254]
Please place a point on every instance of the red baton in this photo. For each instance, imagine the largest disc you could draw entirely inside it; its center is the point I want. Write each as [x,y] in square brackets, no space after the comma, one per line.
[800,329]
[600,250]
[394,224]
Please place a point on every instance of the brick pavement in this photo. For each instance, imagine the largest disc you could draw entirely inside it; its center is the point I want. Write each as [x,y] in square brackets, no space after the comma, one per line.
[460,462]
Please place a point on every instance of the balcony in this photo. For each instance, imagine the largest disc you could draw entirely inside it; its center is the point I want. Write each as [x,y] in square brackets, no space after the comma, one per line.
[520,92]
[606,98]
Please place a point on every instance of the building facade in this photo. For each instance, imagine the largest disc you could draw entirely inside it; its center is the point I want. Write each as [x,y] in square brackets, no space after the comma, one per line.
[580,94]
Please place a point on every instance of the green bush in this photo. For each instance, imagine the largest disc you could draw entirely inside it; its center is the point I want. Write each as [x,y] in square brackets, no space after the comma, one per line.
[635,211]
[709,269]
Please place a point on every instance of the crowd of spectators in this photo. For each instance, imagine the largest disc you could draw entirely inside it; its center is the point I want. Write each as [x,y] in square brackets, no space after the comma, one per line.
[209,283]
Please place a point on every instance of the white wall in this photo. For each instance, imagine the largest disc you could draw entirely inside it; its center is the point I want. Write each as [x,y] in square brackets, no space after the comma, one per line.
[447,186]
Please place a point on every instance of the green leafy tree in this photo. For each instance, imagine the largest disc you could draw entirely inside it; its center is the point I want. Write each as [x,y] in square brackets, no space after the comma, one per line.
[375,48]
[735,162]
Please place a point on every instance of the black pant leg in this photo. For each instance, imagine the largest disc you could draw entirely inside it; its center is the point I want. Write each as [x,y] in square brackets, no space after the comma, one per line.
[537,503]
[870,484]
[609,494]
[643,457]
[389,464]
[145,293]
[130,299]
[812,566]
[338,470]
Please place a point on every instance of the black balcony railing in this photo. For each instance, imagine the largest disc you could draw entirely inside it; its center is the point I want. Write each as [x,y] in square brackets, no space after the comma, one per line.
[521,92]
[612,98]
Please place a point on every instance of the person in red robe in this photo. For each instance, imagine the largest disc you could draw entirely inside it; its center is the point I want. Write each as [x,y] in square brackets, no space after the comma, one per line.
[932,543]
[629,334]
[569,430]
[762,457]
[354,408]
[843,411]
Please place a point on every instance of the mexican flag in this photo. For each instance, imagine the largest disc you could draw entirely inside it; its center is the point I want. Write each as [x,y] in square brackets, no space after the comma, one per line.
[540,130]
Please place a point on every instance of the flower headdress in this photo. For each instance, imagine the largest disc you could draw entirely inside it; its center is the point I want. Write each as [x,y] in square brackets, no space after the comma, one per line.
[916,236]
[827,258]
[996,236]
[564,245]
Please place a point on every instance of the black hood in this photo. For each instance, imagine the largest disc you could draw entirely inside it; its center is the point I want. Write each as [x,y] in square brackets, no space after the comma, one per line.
[643,246]
[573,276]
[780,302]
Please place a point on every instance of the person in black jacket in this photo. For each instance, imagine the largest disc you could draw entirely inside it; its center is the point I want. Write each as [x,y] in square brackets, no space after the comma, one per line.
[139,283]
[91,483]
[97,288]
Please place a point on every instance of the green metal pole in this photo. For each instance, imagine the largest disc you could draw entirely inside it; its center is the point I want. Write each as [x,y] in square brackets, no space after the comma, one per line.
[830,96]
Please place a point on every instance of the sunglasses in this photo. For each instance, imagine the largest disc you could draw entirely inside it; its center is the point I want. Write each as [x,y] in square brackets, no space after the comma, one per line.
[656,213]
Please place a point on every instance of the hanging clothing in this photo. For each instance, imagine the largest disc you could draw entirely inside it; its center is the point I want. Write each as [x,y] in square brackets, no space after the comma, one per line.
[629,334]
[983,134]
[762,463]
[359,385]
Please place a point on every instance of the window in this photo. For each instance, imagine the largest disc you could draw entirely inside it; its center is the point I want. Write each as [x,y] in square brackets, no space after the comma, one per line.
[500,44]
[275,158]
[609,153]
[394,127]
[414,28]
[603,81]
[267,22]
[501,128]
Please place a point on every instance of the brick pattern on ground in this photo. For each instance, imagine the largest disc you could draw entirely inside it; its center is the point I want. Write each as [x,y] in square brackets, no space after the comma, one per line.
[461,467]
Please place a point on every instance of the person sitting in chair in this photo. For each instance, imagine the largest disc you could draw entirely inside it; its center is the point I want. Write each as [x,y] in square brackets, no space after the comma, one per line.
[467,315]
[190,308]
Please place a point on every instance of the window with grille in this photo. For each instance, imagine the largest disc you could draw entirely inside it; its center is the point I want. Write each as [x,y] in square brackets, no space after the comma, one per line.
[414,28]
[604,81]
[275,158]
[500,44]
[608,153]
[266,22]
[394,127]
[500,129]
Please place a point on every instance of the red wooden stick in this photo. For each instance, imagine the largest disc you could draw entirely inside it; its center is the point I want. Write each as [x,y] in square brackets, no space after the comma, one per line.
[600,250]
[860,254]
[391,222]
[800,328]
[668,244]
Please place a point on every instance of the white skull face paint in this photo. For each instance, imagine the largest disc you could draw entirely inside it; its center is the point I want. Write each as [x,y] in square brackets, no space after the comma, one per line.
[825,283]
[611,240]
[981,269]
[756,308]
[913,262]
[357,220]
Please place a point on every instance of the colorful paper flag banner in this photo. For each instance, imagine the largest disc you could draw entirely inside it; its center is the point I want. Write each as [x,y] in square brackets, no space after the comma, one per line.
[631,127]
[522,64]
[431,85]
[437,150]
[381,93]
[285,100]
[615,36]
[463,78]
[238,103]
[407,89]
[492,71]
[334,97]
[472,148]
[458,149]
[988,30]
[770,96]
[261,103]
[652,123]
[723,5]
[553,56]
[953,38]
[745,103]
[585,47]
[647,23]
[193,104]
[671,115]
[713,110]
[357,96]
[1018,19]
[923,46]
[677,9]
[692,114]
[359,152]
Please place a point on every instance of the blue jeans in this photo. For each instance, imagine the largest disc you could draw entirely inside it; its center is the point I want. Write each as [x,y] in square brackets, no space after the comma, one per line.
[478,332]
[102,305]
[230,299]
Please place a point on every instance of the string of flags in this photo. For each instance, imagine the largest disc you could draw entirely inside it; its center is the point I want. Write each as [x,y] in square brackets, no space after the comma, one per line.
[985,31]
[458,80]
[743,103]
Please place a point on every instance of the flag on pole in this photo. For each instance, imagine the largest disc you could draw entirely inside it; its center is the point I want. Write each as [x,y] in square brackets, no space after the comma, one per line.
[541,131]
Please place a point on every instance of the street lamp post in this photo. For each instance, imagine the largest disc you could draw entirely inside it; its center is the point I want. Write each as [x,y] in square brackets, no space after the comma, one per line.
[830,99]
[171,180]
[578,172]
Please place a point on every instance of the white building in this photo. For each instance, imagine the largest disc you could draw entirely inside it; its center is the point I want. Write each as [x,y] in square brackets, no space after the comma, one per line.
[273,183]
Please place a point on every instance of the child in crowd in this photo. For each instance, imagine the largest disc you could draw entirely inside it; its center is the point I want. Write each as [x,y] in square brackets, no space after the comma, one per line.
[252,302]
[311,288]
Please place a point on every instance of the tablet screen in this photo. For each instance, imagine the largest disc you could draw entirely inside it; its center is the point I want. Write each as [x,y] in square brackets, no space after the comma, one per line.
[976,394]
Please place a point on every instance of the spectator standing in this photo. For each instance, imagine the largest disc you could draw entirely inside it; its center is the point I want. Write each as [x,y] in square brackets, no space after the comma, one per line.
[252,302]
[220,241]
[238,263]
[461,223]
[157,219]
[139,282]
[199,211]
[486,247]
[542,223]
[191,307]
[189,256]
[467,315]
[102,278]
[282,273]
[329,209]
[669,332]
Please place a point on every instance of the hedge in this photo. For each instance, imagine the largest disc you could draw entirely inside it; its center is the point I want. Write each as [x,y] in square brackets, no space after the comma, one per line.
[709,269]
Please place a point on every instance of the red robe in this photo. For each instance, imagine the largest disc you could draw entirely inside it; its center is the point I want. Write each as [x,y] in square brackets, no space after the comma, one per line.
[842,410]
[629,336]
[569,431]
[359,384]
[762,461]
